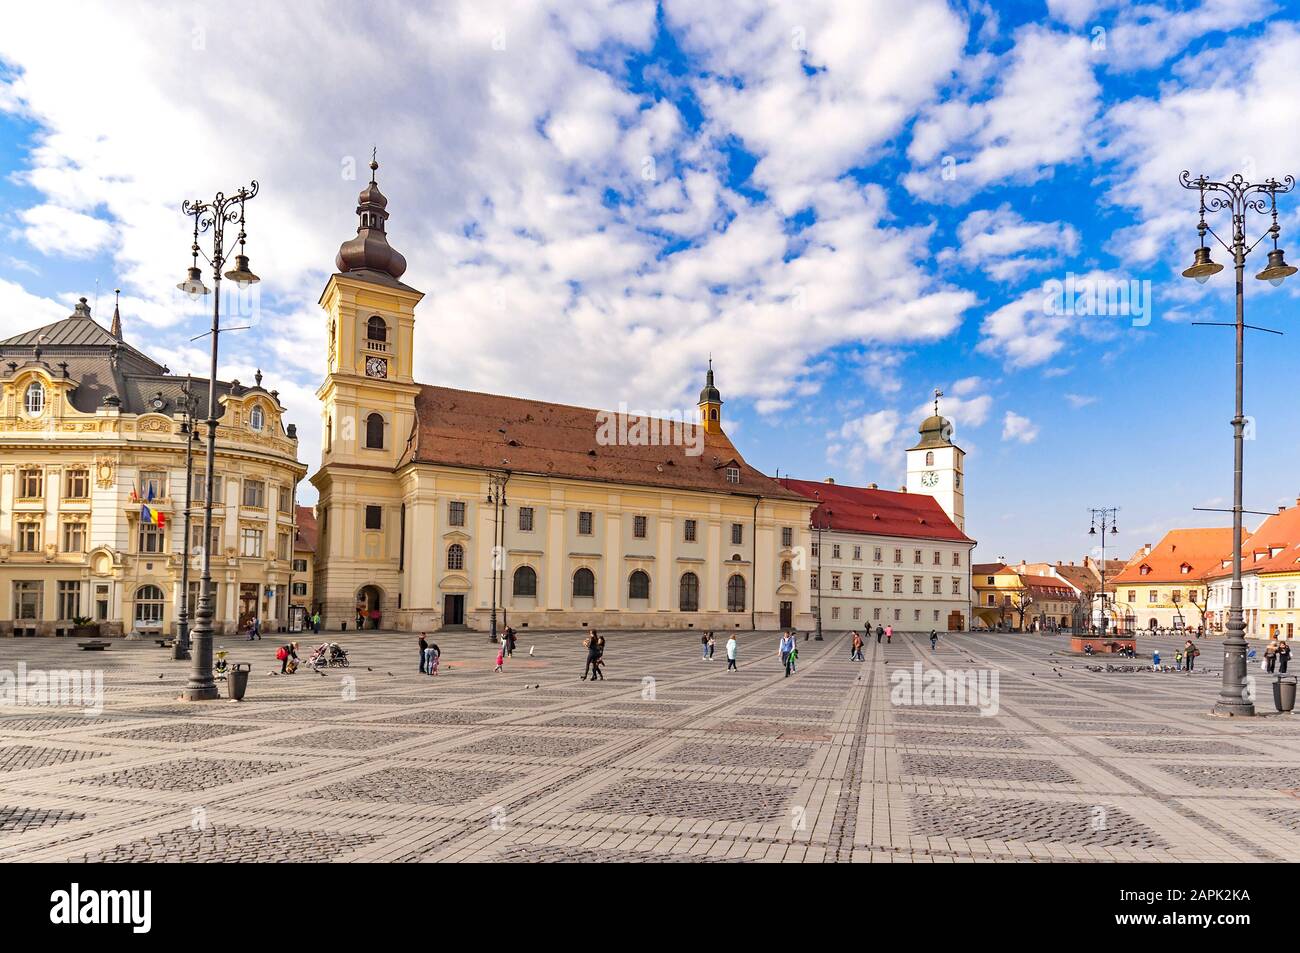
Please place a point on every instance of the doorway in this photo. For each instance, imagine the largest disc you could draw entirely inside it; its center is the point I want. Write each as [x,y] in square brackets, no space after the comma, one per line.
[247,603]
[453,610]
[954,621]
[787,615]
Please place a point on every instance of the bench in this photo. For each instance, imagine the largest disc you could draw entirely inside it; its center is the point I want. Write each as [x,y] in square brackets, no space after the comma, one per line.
[94,645]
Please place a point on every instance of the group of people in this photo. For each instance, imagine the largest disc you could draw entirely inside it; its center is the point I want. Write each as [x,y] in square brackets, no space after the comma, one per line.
[430,655]
[1184,658]
[594,643]
[1276,656]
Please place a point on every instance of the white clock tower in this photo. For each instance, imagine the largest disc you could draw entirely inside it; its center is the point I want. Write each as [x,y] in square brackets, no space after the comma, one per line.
[935,466]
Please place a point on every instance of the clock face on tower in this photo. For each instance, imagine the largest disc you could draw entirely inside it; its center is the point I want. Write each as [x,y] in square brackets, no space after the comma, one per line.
[929,478]
[376,367]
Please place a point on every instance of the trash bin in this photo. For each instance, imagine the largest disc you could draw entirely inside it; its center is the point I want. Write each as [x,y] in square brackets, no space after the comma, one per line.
[1284,692]
[237,680]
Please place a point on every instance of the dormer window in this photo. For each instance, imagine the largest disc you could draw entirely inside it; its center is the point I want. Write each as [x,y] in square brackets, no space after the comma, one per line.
[34,399]
[1145,571]
[732,474]
[256,419]
[1185,569]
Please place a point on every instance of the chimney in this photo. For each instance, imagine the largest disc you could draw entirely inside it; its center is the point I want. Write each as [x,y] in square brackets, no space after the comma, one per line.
[1146,549]
[1281,507]
[830,479]
[902,489]
[873,486]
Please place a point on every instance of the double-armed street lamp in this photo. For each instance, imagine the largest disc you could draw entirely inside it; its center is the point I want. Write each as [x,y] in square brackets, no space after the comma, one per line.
[1237,197]
[181,647]
[212,217]
[1100,517]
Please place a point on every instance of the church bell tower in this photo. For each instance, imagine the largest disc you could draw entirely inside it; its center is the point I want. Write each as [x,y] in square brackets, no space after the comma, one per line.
[935,466]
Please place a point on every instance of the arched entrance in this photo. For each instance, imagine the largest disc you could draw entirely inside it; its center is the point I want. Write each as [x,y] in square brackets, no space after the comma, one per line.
[370,607]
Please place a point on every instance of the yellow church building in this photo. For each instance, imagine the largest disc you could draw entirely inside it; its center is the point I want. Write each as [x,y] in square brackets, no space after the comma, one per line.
[444,508]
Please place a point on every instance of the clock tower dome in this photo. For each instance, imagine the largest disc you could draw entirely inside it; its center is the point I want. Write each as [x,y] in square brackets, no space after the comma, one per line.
[936,466]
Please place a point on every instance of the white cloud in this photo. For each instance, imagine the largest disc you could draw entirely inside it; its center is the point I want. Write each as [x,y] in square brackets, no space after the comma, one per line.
[55,230]
[1146,35]
[875,440]
[1018,428]
[1080,400]
[1006,247]
[20,310]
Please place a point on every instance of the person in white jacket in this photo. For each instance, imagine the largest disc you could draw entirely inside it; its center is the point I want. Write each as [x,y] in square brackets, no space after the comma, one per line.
[731,654]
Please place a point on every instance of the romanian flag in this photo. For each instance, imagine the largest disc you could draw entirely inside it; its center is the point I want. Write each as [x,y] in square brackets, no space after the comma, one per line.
[149,515]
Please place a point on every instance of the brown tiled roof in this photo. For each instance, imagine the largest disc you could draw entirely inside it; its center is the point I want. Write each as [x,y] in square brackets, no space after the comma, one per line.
[878,512]
[305,540]
[1199,549]
[462,428]
[1281,532]
[987,569]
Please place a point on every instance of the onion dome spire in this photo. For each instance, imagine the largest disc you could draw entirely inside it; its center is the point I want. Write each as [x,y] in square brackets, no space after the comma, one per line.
[370,250]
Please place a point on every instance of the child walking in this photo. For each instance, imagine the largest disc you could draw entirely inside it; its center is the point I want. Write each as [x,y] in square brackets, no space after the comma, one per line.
[501,659]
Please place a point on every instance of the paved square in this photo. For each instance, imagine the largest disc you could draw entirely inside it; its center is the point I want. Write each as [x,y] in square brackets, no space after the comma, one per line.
[671,759]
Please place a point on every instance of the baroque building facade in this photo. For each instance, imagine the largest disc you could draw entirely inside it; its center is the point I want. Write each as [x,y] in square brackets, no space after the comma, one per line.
[444,508]
[90,432]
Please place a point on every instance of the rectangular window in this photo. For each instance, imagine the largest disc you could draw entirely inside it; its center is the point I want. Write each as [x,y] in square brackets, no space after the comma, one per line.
[956,586]
[1290,598]
[898,614]
[1132,595]
[69,599]
[814,579]
[898,584]
[857,582]
[31,484]
[101,602]
[1272,598]
[857,613]
[300,588]
[74,536]
[876,555]
[300,565]
[153,480]
[898,556]
[816,549]
[639,524]
[835,551]
[196,537]
[29,536]
[690,531]
[916,557]
[956,560]
[737,533]
[525,519]
[938,558]
[733,474]
[76,484]
[916,615]
[857,552]
[938,586]
[282,496]
[456,513]
[916,585]
[584,523]
[875,613]
[835,580]
[200,487]
[835,612]
[877,583]
[27,599]
[151,539]
[283,546]
[255,493]
[250,541]
[374,517]
[1152,595]
[787,536]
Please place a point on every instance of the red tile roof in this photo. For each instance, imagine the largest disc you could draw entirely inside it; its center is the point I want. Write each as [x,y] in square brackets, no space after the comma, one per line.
[1200,550]
[1280,532]
[305,540]
[489,431]
[855,509]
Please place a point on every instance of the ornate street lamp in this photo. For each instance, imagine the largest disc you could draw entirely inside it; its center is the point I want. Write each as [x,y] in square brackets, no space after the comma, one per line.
[1237,197]
[496,498]
[212,217]
[1102,516]
[181,647]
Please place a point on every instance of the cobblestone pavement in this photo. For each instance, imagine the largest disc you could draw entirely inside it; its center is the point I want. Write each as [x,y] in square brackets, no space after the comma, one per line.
[671,758]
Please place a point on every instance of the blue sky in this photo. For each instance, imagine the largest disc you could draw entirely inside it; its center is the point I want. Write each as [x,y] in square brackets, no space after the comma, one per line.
[848,204]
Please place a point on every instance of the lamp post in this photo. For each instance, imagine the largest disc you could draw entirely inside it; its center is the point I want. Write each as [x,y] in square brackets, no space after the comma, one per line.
[1100,517]
[819,529]
[181,648]
[1237,196]
[212,217]
[496,498]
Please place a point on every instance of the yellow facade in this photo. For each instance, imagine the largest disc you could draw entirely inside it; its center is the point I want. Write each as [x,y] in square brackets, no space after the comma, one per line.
[999,594]
[1279,615]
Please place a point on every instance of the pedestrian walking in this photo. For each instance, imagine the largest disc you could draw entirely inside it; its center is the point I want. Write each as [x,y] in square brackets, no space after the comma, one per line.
[1178,660]
[934,640]
[1190,651]
[880,634]
[793,657]
[704,647]
[786,641]
[593,653]
[315,623]
[361,619]
[435,658]
[731,654]
[889,635]
[598,668]
[712,645]
[424,650]
[501,658]
[1155,660]
[1283,656]
[1270,656]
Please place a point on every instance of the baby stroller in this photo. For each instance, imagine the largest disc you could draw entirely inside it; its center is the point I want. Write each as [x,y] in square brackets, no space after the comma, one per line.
[329,655]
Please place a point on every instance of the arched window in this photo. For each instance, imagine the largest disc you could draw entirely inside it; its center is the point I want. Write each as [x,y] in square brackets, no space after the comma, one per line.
[736,594]
[149,606]
[455,556]
[929,458]
[638,585]
[785,570]
[688,599]
[375,432]
[376,329]
[256,418]
[526,581]
[584,584]
[34,398]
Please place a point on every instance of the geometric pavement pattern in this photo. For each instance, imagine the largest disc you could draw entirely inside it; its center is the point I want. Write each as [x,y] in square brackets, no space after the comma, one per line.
[671,759]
